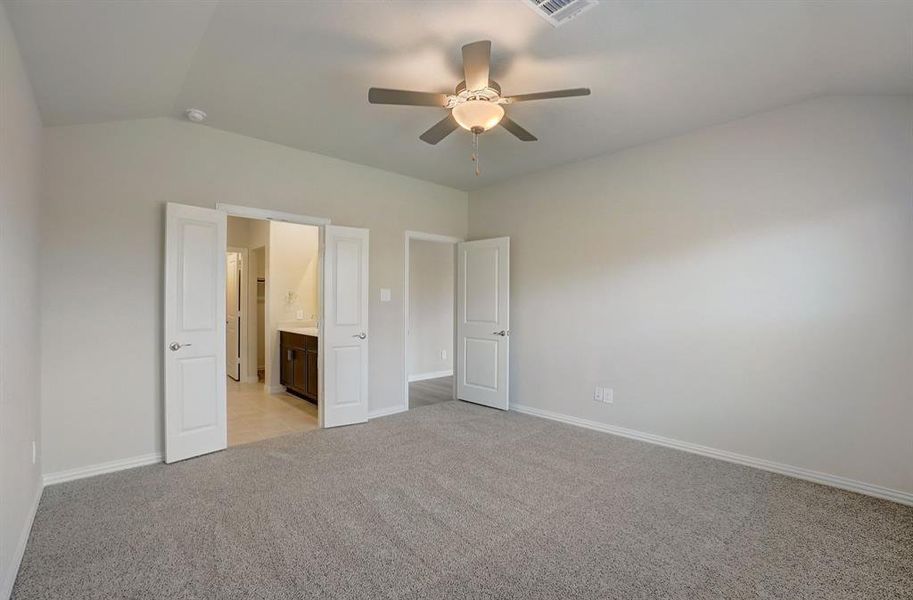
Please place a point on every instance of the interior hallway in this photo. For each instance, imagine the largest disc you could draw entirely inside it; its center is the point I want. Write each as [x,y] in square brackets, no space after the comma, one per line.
[254,414]
[430,391]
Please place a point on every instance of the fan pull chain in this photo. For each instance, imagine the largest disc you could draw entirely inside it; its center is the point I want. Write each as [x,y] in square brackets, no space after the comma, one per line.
[475,153]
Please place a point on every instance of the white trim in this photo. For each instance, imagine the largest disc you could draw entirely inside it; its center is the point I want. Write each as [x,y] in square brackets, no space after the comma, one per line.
[433,237]
[320,222]
[434,375]
[101,468]
[6,589]
[427,237]
[836,481]
[386,412]
[244,301]
[270,215]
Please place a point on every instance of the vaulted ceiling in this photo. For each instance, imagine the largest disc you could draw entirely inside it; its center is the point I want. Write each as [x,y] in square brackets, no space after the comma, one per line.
[297,73]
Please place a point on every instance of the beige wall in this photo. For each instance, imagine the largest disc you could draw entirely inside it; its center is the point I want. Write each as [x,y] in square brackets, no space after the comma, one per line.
[20,155]
[746,287]
[102,234]
[292,285]
[431,296]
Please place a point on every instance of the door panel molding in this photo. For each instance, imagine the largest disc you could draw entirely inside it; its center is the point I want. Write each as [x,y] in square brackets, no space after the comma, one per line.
[346,334]
[194,331]
[483,322]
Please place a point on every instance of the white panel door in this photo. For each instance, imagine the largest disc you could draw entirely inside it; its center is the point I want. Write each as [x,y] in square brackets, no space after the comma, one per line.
[194,341]
[483,322]
[233,315]
[345,332]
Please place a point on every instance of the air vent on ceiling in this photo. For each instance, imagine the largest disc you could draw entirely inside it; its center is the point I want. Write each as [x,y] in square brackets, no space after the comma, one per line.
[559,12]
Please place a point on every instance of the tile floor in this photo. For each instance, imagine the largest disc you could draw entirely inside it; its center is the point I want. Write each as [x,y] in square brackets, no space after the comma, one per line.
[254,414]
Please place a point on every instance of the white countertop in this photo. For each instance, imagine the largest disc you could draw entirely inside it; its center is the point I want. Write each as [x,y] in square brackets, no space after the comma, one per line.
[311,331]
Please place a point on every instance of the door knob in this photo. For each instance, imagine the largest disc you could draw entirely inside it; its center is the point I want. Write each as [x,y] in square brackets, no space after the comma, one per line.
[174,346]
[502,333]
[361,335]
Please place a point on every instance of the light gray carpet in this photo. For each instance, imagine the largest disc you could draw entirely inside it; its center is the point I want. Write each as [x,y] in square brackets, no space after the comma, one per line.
[458,501]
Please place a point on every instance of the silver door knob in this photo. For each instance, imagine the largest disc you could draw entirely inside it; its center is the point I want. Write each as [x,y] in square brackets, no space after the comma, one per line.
[361,335]
[502,333]
[174,346]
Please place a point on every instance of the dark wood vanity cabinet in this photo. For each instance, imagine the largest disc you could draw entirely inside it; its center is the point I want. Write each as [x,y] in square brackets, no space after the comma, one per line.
[298,364]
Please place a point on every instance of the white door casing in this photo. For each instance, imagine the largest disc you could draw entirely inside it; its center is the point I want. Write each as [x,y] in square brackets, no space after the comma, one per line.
[233,315]
[194,339]
[345,333]
[483,322]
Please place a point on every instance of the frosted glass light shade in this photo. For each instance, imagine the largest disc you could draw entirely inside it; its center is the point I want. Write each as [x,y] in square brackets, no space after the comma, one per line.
[480,114]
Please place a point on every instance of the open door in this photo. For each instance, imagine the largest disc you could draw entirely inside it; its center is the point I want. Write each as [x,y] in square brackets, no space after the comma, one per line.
[483,321]
[345,332]
[195,240]
[233,316]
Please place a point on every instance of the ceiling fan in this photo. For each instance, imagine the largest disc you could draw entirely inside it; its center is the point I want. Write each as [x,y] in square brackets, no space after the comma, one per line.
[475,105]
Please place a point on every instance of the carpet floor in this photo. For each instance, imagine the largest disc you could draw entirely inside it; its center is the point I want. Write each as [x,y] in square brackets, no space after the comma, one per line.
[454,500]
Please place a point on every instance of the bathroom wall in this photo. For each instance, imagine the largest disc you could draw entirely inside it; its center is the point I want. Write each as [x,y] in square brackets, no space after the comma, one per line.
[292,287]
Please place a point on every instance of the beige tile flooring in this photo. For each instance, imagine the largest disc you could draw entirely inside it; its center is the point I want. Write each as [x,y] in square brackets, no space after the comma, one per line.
[254,414]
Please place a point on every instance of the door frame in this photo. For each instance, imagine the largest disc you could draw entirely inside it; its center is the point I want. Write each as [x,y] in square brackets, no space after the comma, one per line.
[263,214]
[242,332]
[426,237]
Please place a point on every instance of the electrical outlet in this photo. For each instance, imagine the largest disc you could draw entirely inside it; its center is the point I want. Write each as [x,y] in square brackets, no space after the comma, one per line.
[299,315]
[598,394]
[608,395]
[443,355]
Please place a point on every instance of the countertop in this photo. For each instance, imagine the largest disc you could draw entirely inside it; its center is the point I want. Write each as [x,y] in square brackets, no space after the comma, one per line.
[311,331]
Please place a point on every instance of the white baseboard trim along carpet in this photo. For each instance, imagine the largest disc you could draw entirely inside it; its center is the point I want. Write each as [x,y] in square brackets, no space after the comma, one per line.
[6,586]
[106,467]
[783,469]
[432,375]
[386,412]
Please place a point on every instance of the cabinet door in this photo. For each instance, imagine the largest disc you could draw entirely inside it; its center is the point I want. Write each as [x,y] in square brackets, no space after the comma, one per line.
[299,371]
[286,359]
[311,358]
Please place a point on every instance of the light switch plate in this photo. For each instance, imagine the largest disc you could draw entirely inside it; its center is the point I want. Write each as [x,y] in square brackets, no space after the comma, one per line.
[385,294]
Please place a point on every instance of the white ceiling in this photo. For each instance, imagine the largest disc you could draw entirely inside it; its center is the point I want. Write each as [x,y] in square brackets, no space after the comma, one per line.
[297,73]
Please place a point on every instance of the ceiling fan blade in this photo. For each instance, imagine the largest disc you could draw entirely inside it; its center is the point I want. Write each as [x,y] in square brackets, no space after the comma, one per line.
[405,97]
[553,94]
[476,64]
[518,131]
[440,130]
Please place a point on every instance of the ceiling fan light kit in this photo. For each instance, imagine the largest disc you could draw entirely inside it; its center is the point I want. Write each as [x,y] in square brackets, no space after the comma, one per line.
[476,104]
[478,116]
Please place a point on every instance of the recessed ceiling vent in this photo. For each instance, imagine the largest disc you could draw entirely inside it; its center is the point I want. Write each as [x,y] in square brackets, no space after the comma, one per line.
[559,12]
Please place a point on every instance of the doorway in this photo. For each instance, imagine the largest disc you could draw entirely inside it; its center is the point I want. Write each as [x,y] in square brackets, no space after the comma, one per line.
[430,292]
[281,287]
[195,398]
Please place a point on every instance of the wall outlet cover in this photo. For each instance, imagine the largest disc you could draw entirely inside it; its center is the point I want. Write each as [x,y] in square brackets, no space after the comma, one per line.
[299,315]
[385,294]
[608,395]
[443,355]
[598,394]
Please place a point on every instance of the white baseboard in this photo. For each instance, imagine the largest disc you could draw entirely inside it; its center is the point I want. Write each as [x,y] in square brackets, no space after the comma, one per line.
[434,375]
[774,467]
[9,578]
[386,412]
[106,467]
